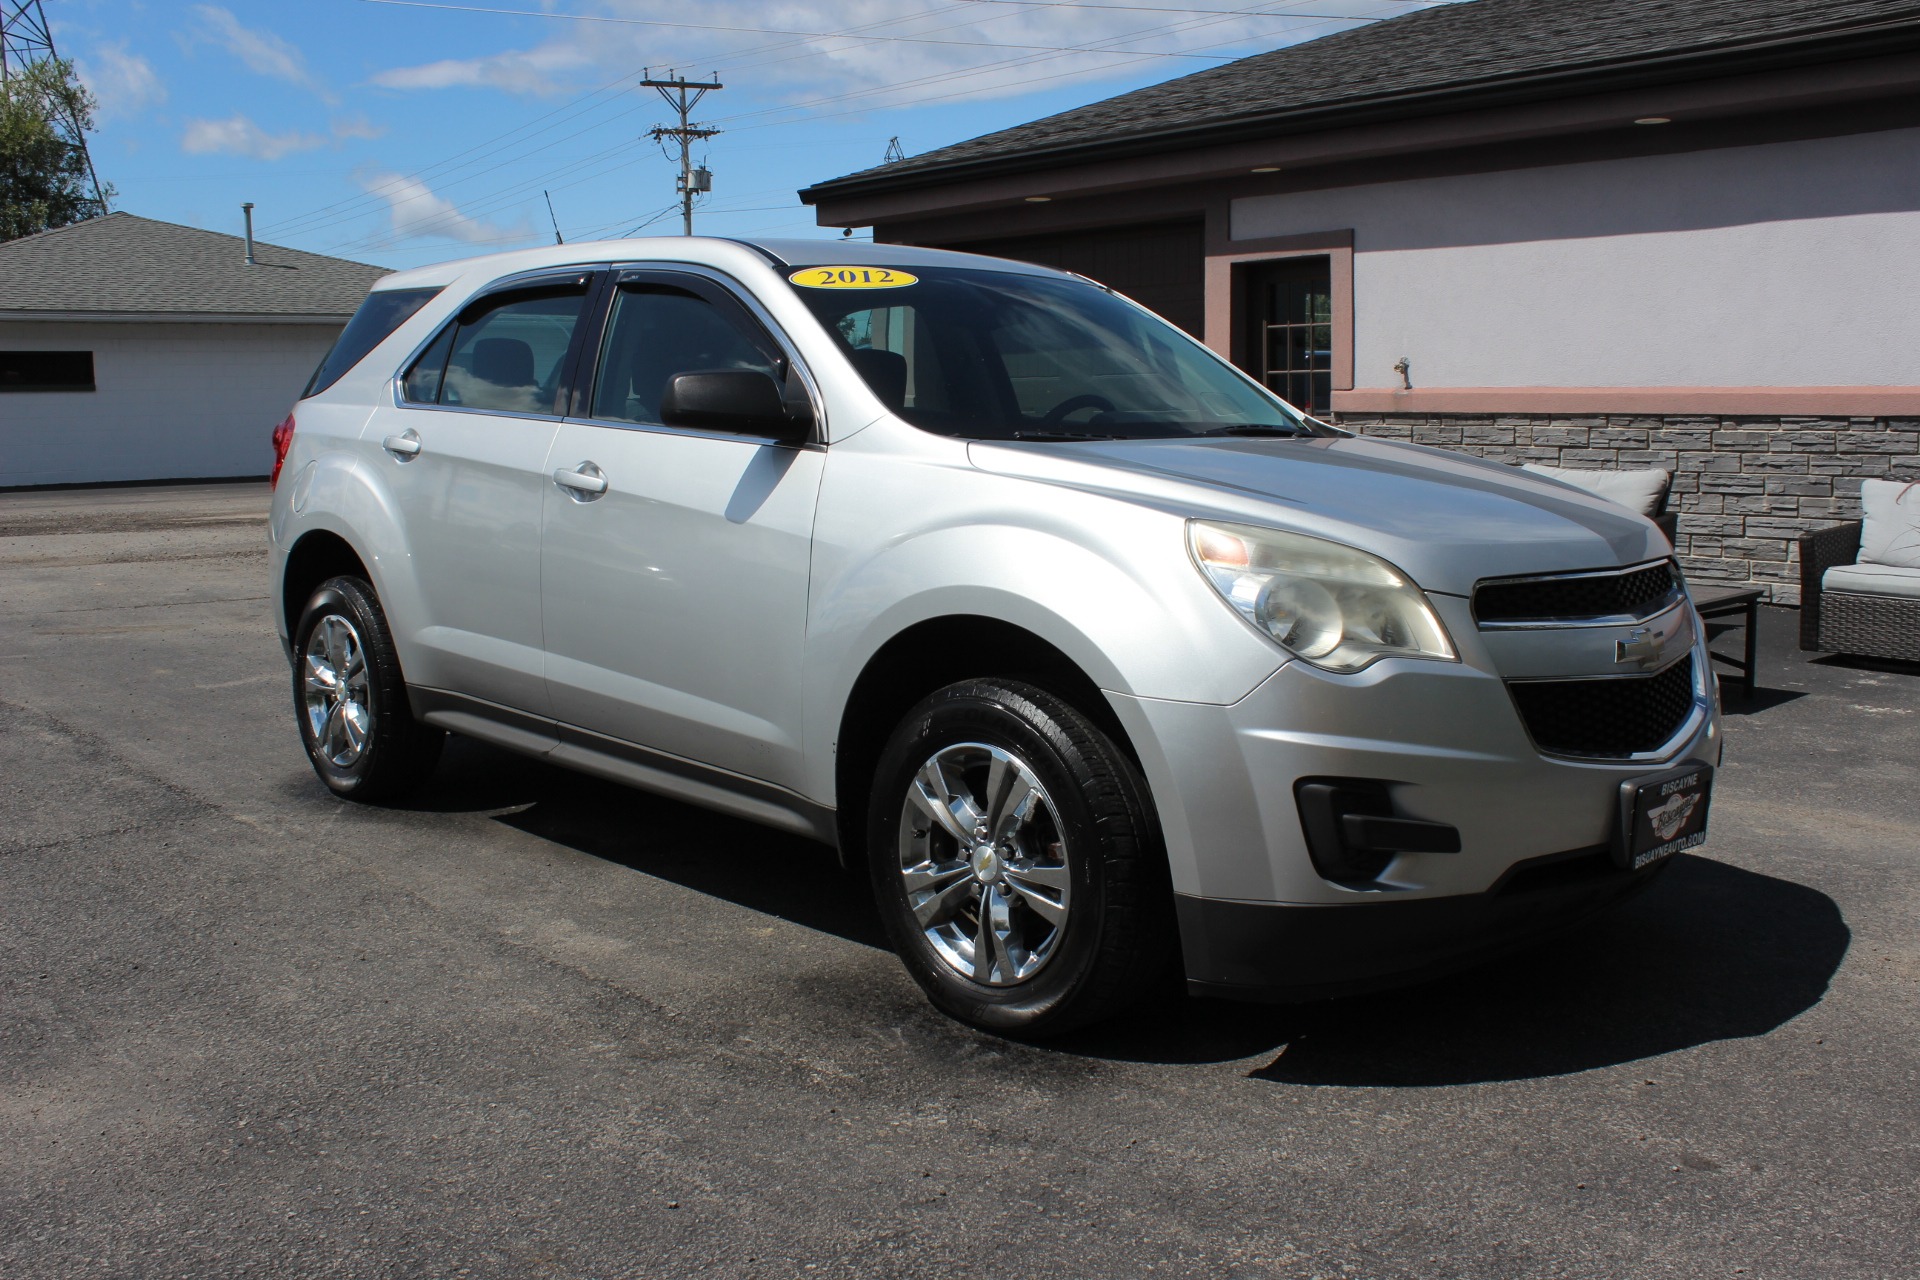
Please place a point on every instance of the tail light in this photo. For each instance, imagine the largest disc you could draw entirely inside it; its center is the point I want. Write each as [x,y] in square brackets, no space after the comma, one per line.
[282,441]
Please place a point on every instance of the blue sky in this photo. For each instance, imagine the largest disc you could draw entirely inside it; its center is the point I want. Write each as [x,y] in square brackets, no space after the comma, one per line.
[403,134]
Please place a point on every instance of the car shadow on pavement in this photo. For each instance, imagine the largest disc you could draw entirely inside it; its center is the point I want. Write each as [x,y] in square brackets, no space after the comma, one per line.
[1712,952]
[1709,952]
[1735,702]
[764,870]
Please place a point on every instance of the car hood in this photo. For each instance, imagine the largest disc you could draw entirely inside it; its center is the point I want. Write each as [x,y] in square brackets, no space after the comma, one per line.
[1447,519]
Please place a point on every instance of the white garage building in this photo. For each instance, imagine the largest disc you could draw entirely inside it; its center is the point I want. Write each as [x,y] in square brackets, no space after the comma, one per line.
[136,350]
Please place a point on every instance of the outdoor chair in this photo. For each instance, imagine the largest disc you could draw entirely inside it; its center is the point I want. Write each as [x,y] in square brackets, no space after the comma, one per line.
[1644,491]
[1860,581]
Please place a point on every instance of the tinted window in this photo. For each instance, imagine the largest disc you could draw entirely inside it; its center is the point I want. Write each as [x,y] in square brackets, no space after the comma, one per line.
[999,355]
[506,353]
[381,313]
[422,383]
[46,370]
[657,331]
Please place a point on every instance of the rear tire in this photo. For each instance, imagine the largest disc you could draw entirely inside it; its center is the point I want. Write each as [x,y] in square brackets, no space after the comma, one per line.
[350,698]
[1017,862]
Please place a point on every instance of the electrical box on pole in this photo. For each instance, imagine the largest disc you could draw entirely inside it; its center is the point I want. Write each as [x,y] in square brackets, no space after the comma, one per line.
[682,95]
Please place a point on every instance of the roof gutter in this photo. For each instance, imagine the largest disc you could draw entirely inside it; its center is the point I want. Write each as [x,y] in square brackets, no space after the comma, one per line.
[1879,40]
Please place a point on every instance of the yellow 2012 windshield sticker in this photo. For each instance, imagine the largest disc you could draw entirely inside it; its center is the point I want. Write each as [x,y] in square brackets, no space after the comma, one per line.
[852,278]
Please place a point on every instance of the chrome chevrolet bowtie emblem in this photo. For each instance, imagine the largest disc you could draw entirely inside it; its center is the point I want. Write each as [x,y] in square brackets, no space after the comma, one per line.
[1642,647]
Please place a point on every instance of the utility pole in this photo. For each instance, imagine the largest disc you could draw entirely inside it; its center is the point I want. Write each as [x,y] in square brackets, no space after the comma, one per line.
[25,40]
[683,95]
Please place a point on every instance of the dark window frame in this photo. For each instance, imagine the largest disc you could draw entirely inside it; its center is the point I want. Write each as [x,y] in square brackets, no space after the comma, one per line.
[598,326]
[13,360]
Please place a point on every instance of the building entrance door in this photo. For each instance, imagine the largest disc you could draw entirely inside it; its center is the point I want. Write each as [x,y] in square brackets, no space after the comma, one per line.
[1289,331]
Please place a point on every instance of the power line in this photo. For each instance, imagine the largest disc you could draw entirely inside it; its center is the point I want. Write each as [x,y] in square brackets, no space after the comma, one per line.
[1030,56]
[358,205]
[771,31]
[683,96]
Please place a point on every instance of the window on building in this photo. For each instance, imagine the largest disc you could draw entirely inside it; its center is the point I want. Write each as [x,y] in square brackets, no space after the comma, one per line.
[1290,331]
[46,371]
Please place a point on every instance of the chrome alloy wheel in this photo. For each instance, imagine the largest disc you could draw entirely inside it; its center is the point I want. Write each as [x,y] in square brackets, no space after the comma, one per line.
[334,689]
[984,863]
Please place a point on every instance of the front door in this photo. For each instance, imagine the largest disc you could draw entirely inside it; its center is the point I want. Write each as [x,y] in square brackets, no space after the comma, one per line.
[464,459]
[674,599]
[1289,331]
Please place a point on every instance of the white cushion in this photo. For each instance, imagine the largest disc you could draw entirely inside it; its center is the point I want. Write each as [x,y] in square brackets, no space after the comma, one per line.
[1642,491]
[1872,580]
[1890,531]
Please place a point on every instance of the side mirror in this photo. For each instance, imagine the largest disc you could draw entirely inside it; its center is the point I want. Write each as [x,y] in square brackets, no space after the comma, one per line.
[743,401]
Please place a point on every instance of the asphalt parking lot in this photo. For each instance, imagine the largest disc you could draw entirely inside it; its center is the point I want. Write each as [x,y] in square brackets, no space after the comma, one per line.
[534,1025]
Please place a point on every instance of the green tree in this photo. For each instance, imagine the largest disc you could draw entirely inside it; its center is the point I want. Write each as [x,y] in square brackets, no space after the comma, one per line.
[44,179]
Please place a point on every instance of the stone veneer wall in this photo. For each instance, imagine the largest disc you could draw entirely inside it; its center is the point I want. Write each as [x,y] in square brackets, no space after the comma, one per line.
[1745,488]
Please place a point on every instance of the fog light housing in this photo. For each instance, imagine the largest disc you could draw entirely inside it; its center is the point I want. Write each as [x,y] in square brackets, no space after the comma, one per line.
[1352,833]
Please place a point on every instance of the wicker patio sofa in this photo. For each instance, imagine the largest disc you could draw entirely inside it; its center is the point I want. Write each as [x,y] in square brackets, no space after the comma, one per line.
[1860,606]
[1643,491]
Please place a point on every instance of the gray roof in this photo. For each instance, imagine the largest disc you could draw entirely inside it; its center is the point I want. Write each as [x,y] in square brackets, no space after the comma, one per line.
[120,264]
[1454,55]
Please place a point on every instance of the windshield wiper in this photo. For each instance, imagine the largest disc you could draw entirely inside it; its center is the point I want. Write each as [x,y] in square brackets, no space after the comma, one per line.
[1254,429]
[1061,435]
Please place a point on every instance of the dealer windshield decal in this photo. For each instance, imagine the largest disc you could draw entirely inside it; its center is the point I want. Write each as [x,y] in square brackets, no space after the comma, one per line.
[852,278]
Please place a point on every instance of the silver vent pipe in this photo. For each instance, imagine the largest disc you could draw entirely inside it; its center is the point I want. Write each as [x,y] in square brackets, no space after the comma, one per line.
[247,209]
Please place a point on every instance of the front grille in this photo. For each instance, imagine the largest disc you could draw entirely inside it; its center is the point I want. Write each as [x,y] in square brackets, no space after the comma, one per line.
[1631,593]
[1618,716]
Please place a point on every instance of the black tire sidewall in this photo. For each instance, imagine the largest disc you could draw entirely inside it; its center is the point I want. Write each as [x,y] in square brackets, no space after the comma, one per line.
[995,714]
[348,599]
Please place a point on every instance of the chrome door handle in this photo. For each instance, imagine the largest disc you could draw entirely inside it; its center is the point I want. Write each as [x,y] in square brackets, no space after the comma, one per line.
[403,446]
[584,483]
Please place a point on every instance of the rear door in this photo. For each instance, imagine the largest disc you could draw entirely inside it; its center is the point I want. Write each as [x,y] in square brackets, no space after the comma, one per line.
[675,598]
[463,453]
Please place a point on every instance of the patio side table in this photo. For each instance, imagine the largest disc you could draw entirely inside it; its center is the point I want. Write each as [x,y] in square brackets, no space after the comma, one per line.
[1727,602]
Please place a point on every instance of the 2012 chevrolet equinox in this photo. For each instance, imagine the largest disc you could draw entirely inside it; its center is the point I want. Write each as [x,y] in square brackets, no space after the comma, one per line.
[1107,663]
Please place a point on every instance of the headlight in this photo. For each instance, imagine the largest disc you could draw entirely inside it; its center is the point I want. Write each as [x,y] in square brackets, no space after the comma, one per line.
[1332,605]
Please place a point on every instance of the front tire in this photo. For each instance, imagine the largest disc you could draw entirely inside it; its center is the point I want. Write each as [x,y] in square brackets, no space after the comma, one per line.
[1017,863]
[351,700]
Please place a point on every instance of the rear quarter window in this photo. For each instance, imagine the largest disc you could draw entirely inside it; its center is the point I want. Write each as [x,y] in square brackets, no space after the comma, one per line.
[383,311]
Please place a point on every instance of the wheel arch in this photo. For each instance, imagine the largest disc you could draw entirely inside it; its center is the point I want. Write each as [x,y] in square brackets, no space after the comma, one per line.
[318,555]
[930,655]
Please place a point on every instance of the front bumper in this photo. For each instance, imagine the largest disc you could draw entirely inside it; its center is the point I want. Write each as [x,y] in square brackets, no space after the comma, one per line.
[1275,951]
[1445,739]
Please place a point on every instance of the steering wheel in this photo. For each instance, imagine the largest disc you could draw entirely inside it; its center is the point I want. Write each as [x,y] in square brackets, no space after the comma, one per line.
[1074,404]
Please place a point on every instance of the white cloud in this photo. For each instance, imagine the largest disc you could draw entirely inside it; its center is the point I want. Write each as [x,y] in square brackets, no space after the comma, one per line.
[984,49]
[534,72]
[418,214]
[123,83]
[241,136]
[356,127]
[261,51]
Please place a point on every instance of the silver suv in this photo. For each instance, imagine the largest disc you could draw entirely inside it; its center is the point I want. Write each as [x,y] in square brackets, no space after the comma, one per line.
[1110,667]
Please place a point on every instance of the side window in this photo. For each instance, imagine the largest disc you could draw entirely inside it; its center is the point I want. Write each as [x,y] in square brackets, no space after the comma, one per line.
[383,311]
[505,353]
[657,331]
[422,383]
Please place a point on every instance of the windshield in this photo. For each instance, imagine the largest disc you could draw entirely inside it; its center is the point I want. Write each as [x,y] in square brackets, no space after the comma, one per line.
[993,355]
